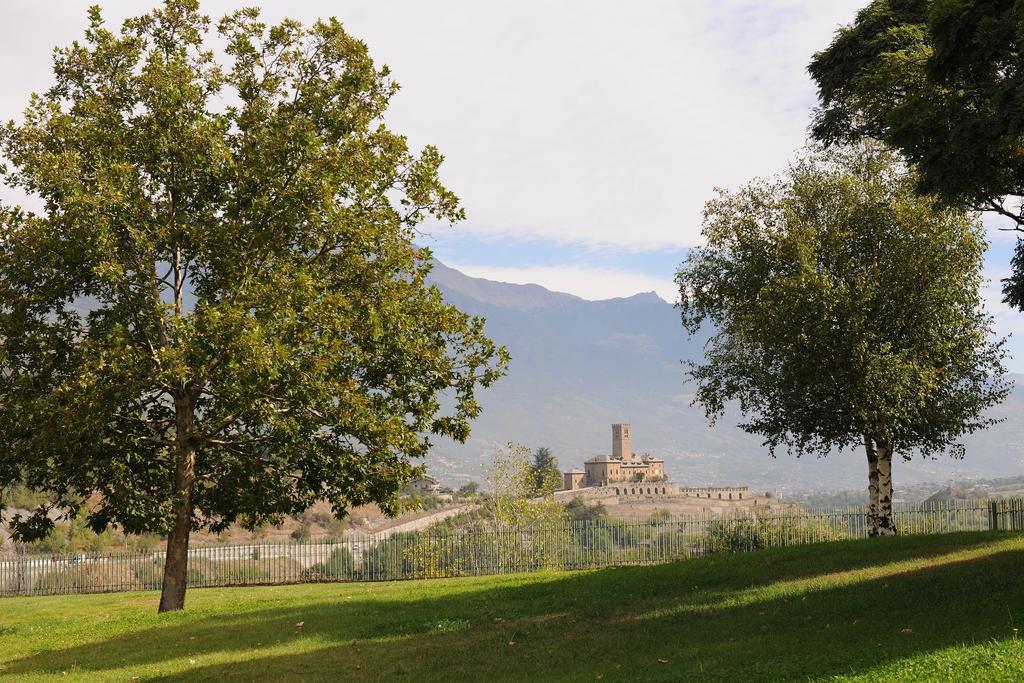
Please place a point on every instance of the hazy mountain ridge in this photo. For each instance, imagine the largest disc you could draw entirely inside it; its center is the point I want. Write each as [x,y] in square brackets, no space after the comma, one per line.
[578,366]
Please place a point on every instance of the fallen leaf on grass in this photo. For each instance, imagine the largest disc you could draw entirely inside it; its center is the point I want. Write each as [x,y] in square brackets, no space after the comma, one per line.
[663,661]
[907,631]
[299,624]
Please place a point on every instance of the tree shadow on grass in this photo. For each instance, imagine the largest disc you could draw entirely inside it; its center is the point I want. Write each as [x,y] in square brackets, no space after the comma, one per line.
[752,617]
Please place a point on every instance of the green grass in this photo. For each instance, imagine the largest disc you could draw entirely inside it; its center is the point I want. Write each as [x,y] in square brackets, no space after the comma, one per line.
[912,608]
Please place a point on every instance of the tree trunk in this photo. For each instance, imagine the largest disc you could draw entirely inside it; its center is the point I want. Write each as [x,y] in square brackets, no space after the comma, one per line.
[869,448]
[172,596]
[886,523]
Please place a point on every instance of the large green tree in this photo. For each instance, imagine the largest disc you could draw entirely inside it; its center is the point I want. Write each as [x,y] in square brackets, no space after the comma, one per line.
[846,314]
[220,314]
[943,83]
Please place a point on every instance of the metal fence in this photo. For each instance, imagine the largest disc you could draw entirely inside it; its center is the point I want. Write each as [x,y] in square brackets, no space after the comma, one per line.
[446,552]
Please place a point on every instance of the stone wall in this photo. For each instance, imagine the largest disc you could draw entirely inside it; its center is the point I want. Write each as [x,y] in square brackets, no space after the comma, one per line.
[658,488]
[632,489]
[717,492]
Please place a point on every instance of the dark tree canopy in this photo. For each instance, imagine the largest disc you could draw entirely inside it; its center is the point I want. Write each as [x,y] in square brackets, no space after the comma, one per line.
[847,312]
[943,83]
[220,316]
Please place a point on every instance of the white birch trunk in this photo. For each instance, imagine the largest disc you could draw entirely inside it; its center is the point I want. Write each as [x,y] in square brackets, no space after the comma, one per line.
[886,522]
[872,454]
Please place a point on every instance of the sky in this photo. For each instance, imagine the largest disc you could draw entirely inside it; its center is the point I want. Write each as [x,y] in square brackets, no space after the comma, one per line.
[583,137]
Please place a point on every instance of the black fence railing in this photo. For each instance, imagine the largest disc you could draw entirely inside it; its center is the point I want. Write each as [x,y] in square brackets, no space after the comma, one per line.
[444,552]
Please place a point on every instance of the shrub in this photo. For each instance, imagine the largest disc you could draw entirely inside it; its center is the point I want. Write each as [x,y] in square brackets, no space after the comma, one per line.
[579,511]
[337,527]
[321,518]
[659,516]
[339,565]
[67,539]
[468,490]
[384,560]
[735,534]
[591,544]
[144,543]
[673,545]
[201,572]
[20,497]
[149,573]
[749,533]
[85,576]
[277,569]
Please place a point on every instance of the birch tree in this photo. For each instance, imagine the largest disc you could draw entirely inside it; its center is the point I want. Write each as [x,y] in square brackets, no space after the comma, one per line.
[847,314]
[220,315]
[515,496]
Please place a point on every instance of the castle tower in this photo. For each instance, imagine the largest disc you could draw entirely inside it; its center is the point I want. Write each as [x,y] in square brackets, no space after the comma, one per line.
[622,442]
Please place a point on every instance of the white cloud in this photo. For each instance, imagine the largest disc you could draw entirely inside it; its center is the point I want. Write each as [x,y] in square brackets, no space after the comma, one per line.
[600,122]
[582,280]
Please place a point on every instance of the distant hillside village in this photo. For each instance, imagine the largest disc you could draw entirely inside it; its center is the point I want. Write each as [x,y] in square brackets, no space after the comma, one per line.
[626,474]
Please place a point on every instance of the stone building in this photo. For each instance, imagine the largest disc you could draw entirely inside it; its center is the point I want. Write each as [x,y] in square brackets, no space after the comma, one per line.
[425,484]
[622,466]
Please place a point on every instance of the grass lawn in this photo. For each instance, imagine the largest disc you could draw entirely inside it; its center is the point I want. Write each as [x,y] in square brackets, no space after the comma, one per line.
[914,608]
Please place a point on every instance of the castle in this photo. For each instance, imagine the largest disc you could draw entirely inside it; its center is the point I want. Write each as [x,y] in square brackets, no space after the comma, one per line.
[622,466]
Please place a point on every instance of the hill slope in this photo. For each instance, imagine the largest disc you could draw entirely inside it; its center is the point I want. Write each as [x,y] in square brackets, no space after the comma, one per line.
[578,366]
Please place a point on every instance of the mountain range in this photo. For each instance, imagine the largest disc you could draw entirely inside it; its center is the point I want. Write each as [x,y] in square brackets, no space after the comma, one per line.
[578,366]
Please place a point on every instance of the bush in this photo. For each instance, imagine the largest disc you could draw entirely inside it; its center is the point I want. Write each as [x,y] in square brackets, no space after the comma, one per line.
[579,511]
[384,560]
[734,535]
[321,518]
[149,573]
[144,543]
[201,572]
[673,545]
[339,565]
[73,538]
[749,533]
[337,527]
[85,576]
[591,545]
[302,534]
[425,502]
[277,569]
[21,497]
[468,490]
[660,516]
